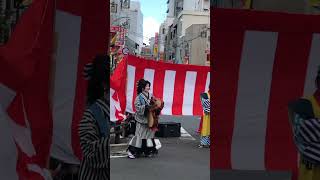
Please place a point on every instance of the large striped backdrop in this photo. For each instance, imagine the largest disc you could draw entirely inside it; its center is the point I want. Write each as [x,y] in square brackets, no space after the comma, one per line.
[178,85]
[262,60]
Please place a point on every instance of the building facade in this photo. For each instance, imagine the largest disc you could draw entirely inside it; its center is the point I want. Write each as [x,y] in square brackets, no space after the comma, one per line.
[146,52]
[196,49]
[185,14]
[127,14]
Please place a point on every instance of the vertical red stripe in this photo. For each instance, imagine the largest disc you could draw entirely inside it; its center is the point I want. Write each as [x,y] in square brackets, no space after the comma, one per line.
[139,74]
[159,82]
[93,40]
[227,49]
[199,88]
[118,82]
[178,93]
[38,109]
[288,81]
[15,110]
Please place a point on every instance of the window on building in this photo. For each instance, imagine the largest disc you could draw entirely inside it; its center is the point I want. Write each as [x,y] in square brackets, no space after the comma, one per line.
[203,34]
[113,7]
[163,30]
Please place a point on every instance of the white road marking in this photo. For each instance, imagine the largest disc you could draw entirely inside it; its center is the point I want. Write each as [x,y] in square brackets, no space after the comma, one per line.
[185,135]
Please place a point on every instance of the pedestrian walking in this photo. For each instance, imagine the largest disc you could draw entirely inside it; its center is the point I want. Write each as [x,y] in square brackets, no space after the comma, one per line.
[143,141]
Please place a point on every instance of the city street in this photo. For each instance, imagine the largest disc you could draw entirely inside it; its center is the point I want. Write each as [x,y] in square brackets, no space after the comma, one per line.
[179,158]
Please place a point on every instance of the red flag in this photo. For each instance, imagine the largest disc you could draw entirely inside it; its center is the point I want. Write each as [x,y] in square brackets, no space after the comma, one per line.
[24,71]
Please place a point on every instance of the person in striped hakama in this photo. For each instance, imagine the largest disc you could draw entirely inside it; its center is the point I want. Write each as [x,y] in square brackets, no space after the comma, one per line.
[94,126]
[143,140]
[205,121]
[305,115]
[309,131]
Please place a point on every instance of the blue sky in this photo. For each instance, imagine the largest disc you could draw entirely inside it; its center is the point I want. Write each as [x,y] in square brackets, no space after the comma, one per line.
[154,13]
[154,8]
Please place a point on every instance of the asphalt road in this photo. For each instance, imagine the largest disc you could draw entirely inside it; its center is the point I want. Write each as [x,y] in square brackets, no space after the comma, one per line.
[179,158]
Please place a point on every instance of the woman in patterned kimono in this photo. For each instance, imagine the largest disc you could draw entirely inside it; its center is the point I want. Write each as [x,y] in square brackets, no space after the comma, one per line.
[94,126]
[205,121]
[143,141]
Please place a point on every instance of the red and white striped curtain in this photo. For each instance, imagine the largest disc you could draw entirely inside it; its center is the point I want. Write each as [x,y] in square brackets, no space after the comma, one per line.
[178,85]
[262,61]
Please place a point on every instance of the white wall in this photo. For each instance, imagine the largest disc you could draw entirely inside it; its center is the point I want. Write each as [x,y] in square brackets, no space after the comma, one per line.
[189,18]
[162,37]
[140,28]
[202,4]
[135,31]
[189,5]
[171,8]
[136,22]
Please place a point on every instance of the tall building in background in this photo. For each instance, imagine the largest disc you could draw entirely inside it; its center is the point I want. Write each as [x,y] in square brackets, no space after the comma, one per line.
[151,45]
[165,51]
[182,14]
[162,39]
[127,15]
[156,46]
[135,31]
[196,49]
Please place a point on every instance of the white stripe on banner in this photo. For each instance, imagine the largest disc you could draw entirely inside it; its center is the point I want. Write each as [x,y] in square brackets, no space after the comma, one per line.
[207,82]
[314,62]
[168,91]
[8,150]
[248,142]
[131,71]
[188,96]
[68,28]
[114,105]
[149,75]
